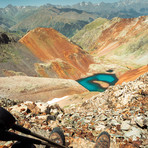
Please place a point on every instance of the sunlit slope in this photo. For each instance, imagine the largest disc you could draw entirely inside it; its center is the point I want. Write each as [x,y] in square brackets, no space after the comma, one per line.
[117,40]
[132,75]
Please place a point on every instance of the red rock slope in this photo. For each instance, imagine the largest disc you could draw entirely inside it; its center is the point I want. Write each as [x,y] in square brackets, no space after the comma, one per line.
[48,44]
[120,41]
[120,31]
[132,74]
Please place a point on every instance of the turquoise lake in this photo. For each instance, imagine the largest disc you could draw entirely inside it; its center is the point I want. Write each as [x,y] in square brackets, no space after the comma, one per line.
[89,83]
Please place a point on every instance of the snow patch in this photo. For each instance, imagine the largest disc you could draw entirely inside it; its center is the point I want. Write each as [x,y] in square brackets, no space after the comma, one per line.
[56,100]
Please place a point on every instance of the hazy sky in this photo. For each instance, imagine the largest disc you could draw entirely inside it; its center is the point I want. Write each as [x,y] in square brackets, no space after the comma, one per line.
[4,3]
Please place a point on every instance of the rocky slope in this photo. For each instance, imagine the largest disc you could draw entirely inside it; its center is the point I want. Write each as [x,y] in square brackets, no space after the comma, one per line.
[121,111]
[121,41]
[34,88]
[15,58]
[47,44]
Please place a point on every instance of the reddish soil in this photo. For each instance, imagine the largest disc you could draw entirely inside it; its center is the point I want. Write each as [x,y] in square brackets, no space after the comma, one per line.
[48,44]
[118,33]
[132,75]
[57,69]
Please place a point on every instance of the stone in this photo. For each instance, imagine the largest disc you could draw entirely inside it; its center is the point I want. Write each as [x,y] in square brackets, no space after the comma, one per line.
[100,127]
[102,117]
[81,143]
[118,93]
[125,125]
[33,108]
[54,111]
[141,121]
[114,122]
[42,106]
[19,109]
[50,117]
[134,133]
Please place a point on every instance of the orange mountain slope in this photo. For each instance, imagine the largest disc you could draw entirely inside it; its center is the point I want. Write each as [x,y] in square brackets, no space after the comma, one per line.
[119,32]
[122,41]
[48,44]
[132,75]
[57,69]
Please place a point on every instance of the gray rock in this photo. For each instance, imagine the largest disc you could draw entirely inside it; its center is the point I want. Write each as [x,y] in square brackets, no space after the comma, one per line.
[50,117]
[100,127]
[75,116]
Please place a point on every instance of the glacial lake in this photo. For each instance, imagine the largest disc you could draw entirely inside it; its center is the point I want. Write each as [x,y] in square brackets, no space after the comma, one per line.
[90,82]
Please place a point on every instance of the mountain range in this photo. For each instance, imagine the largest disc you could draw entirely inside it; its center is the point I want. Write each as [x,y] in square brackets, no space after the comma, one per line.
[102,45]
[67,19]
[123,8]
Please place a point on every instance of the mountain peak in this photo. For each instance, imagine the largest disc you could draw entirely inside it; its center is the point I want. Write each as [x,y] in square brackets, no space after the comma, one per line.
[9,6]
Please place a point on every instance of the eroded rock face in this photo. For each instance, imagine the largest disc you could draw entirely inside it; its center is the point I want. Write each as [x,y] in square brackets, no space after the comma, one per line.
[48,44]
[57,69]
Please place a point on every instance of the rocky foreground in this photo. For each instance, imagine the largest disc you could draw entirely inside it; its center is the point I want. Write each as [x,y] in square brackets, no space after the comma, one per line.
[121,110]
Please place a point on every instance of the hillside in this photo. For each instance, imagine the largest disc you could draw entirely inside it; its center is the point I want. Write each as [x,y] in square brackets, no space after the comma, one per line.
[119,41]
[47,44]
[132,75]
[15,58]
[26,88]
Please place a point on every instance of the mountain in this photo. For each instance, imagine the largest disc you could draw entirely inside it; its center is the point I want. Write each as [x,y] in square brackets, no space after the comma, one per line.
[65,20]
[17,13]
[49,45]
[119,41]
[123,8]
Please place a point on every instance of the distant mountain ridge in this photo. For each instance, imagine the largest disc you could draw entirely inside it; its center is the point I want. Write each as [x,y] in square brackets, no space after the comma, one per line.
[68,19]
[123,8]
[25,18]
